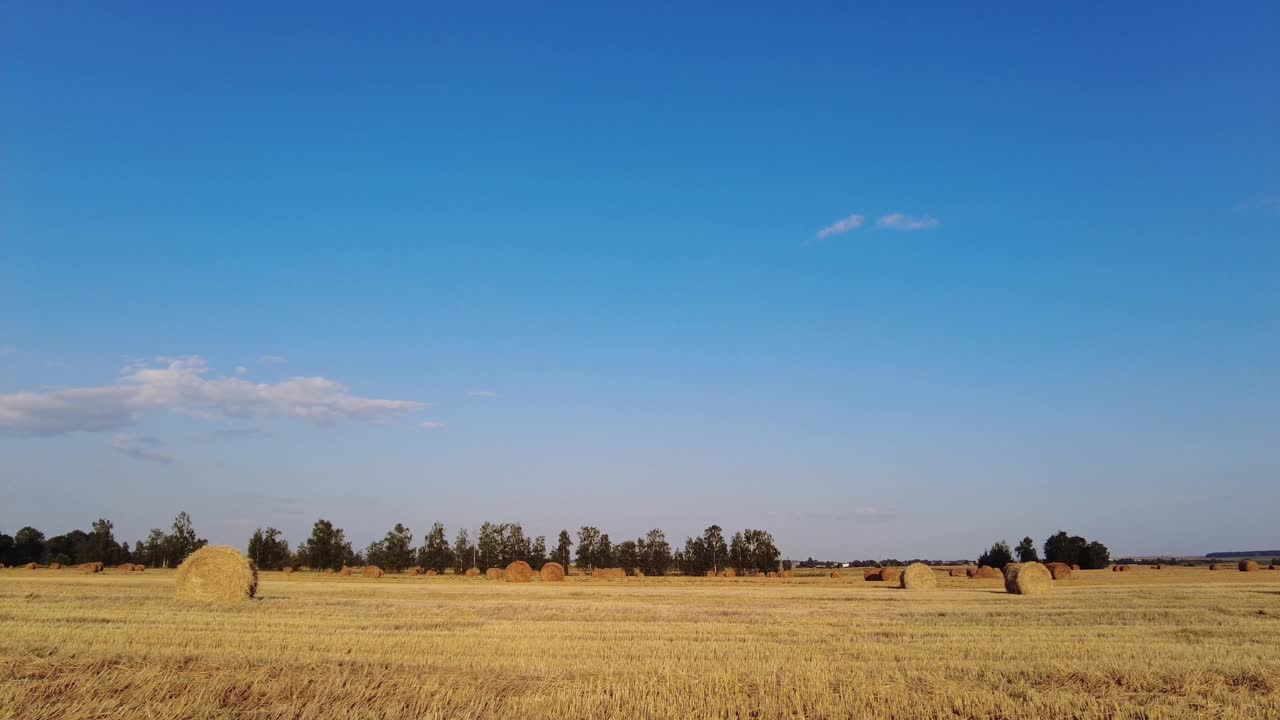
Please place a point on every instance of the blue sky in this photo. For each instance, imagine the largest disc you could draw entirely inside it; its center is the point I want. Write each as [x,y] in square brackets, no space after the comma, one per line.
[567,266]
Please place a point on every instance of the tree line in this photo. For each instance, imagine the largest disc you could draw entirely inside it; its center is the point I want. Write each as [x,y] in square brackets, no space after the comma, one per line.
[1059,548]
[499,544]
[159,549]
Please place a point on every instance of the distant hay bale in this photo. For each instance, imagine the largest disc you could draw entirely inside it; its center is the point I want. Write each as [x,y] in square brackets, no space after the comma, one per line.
[52,566]
[305,568]
[493,573]
[519,572]
[31,566]
[328,571]
[1059,571]
[986,572]
[472,572]
[345,571]
[125,567]
[88,568]
[1030,578]
[637,573]
[730,572]
[958,572]
[217,572]
[1157,566]
[139,567]
[609,573]
[414,571]
[711,573]
[552,572]
[432,573]
[836,574]
[891,575]
[787,574]
[771,574]
[971,571]
[1074,567]
[1215,566]
[870,574]
[1248,566]
[286,570]
[1120,568]
[372,571]
[1126,568]
[918,576]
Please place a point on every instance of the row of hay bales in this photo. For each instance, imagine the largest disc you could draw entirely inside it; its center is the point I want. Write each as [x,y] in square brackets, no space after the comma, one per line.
[92,567]
[1019,578]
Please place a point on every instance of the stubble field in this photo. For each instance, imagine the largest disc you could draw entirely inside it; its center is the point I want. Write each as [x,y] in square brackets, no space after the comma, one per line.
[1178,642]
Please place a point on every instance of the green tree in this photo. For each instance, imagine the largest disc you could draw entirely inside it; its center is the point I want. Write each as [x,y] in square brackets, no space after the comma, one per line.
[515,546]
[28,546]
[268,549]
[1027,551]
[714,546]
[588,538]
[397,550]
[490,546]
[538,553]
[436,553]
[1095,556]
[464,553]
[182,540]
[327,547]
[604,552]
[998,556]
[628,556]
[100,545]
[563,547]
[655,553]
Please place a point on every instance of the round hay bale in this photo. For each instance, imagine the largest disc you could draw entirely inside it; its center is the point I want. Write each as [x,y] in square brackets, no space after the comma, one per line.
[711,573]
[891,575]
[638,573]
[918,576]
[986,572]
[787,574]
[432,573]
[372,571]
[1059,571]
[88,568]
[1215,566]
[870,574]
[31,566]
[769,574]
[125,567]
[518,571]
[53,566]
[1248,566]
[730,572]
[305,568]
[1030,578]
[413,571]
[137,567]
[552,572]
[607,573]
[836,574]
[1074,567]
[217,572]
[958,572]
[328,571]
[472,572]
[493,573]
[1157,566]
[345,571]
[286,570]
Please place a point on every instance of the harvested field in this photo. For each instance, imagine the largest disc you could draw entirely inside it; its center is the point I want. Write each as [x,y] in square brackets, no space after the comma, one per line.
[1180,643]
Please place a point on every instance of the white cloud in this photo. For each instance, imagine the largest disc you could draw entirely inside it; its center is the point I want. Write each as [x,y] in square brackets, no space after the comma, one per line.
[181,385]
[483,394]
[140,448]
[432,425]
[276,359]
[241,370]
[853,222]
[898,221]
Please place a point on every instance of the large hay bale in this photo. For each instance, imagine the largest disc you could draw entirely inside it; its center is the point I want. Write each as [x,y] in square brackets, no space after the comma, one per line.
[413,571]
[837,574]
[493,573]
[918,576]
[345,571]
[1029,578]
[372,571]
[138,567]
[730,572]
[870,574]
[1248,566]
[959,572]
[711,573]
[770,574]
[88,568]
[986,572]
[31,566]
[637,573]
[472,572]
[125,567]
[1059,571]
[286,570]
[1215,566]
[891,575]
[552,572]
[217,572]
[518,571]
[52,566]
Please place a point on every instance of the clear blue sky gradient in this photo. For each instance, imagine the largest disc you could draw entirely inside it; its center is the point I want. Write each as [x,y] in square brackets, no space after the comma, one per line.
[607,217]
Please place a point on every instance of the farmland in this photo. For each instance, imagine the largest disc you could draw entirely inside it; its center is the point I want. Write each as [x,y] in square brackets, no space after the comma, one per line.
[1178,642]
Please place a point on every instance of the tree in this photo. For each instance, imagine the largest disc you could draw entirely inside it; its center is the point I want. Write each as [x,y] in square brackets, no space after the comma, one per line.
[1027,551]
[604,553]
[563,547]
[538,553]
[490,546]
[714,545]
[1076,550]
[397,549]
[268,549]
[1095,556]
[100,544]
[655,553]
[515,546]
[997,557]
[464,553]
[628,556]
[753,551]
[435,553]
[6,549]
[67,549]
[152,551]
[28,546]
[327,547]
[182,540]
[588,537]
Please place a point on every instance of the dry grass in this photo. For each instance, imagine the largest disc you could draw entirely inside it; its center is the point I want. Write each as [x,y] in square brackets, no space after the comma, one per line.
[1179,643]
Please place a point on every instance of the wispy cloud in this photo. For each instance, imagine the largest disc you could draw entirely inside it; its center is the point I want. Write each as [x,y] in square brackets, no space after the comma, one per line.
[274,359]
[898,221]
[143,448]
[853,222]
[241,370]
[483,394]
[433,425]
[183,385]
